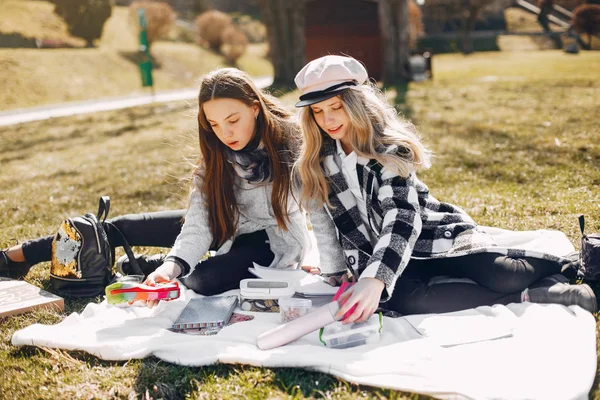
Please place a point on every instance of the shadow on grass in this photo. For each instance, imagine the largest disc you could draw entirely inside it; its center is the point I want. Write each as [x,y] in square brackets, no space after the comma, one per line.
[181,382]
[310,384]
[399,101]
[166,381]
[136,57]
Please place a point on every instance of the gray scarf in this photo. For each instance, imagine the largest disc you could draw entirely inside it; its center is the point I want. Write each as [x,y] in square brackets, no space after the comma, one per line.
[252,162]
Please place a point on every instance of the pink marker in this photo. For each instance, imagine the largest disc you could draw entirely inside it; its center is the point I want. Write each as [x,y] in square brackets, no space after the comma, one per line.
[290,331]
[343,287]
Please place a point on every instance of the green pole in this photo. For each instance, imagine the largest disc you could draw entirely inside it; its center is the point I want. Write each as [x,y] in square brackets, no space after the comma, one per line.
[146,63]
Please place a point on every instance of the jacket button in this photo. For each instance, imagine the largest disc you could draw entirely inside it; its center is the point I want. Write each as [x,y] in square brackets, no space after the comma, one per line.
[448,234]
[351,260]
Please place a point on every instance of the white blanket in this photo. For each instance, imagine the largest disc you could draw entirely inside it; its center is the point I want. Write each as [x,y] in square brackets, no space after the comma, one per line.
[503,352]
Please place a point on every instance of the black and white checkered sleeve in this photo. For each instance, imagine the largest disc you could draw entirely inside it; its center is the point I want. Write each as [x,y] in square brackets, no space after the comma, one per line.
[400,229]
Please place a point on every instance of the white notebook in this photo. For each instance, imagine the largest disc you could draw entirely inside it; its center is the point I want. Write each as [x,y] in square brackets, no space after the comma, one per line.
[305,284]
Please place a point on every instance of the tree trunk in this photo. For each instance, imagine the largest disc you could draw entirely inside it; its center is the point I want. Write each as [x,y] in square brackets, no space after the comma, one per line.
[285,28]
[395,33]
[468,27]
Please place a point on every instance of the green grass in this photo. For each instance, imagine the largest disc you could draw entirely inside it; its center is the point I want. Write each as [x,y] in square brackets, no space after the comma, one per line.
[516,143]
[32,77]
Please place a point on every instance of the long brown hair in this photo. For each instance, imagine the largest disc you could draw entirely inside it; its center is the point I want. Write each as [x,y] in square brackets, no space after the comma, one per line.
[278,133]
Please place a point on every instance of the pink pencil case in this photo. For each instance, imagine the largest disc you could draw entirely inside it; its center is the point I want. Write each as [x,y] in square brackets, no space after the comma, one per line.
[120,292]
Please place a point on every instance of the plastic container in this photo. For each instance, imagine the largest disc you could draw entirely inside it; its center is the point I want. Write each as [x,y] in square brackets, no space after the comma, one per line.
[131,278]
[291,308]
[263,295]
[340,336]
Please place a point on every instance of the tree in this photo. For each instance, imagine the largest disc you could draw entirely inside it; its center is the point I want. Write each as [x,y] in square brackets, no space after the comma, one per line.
[211,25]
[234,44]
[284,20]
[586,19]
[415,17]
[189,8]
[395,33]
[84,18]
[159,18]
[546,7]
[462,14]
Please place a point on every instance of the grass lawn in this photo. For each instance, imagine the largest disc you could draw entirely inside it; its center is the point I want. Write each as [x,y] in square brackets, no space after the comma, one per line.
[32,77]
[516,142]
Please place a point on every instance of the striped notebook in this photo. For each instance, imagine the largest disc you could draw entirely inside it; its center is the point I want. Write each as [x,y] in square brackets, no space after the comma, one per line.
[206,312]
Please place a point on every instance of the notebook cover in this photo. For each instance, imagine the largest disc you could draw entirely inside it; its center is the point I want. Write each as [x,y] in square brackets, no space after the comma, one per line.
[17,297]
[206,312]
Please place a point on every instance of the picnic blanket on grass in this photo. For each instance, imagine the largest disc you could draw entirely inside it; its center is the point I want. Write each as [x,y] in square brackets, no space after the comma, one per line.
[518,351]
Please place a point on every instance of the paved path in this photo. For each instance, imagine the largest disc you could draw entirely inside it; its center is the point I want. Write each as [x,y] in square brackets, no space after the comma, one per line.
[22,115]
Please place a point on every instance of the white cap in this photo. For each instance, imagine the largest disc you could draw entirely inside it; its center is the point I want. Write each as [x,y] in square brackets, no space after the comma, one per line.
[328,76]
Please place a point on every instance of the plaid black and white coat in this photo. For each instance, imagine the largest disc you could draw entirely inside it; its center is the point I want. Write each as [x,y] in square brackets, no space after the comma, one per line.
[408,222]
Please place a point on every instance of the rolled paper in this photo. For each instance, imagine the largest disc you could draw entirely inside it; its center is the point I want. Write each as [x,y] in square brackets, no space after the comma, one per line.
[290,331]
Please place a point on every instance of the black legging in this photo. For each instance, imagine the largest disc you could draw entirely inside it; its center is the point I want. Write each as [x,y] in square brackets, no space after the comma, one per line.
[160,229]
[499,280]
[155,229]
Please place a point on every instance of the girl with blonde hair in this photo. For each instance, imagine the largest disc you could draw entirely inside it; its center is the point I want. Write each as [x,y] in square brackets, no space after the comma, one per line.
[358,169]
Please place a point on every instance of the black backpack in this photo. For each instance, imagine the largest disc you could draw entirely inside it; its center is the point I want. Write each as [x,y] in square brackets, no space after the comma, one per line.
[590,253]
[82,256]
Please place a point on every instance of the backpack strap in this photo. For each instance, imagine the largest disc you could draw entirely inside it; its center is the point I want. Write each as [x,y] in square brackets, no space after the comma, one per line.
[582,224]
[103,208]
[127,248]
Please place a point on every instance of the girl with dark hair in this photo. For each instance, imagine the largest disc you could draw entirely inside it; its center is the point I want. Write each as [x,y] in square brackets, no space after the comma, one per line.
[240,203]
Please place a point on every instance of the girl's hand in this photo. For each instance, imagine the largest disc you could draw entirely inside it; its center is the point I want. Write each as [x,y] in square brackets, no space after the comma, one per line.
[334,280]
[366,295]
[163,274]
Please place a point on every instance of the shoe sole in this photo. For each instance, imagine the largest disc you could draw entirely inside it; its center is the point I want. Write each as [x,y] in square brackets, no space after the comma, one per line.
[590,292]
[120,262]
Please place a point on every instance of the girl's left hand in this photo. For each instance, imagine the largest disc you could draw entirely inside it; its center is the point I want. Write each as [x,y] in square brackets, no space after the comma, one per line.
[366,294]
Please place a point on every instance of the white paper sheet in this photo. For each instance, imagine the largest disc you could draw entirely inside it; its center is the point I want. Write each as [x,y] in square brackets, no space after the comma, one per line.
[304,283]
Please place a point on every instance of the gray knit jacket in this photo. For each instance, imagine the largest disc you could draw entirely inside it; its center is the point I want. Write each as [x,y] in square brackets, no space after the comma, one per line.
[256,213]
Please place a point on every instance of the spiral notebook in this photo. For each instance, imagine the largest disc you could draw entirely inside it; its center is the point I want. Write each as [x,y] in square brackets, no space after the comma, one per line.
[206,312]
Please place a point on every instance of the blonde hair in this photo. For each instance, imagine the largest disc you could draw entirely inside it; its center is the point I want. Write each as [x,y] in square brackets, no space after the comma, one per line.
[373,124]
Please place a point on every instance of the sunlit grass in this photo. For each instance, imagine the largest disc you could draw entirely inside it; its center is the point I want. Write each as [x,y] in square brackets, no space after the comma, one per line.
[516,143]
[33,77]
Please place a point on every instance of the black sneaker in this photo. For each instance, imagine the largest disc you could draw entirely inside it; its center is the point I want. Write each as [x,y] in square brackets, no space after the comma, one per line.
[12,269]
[557,290]
[573,269]
[148,264]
